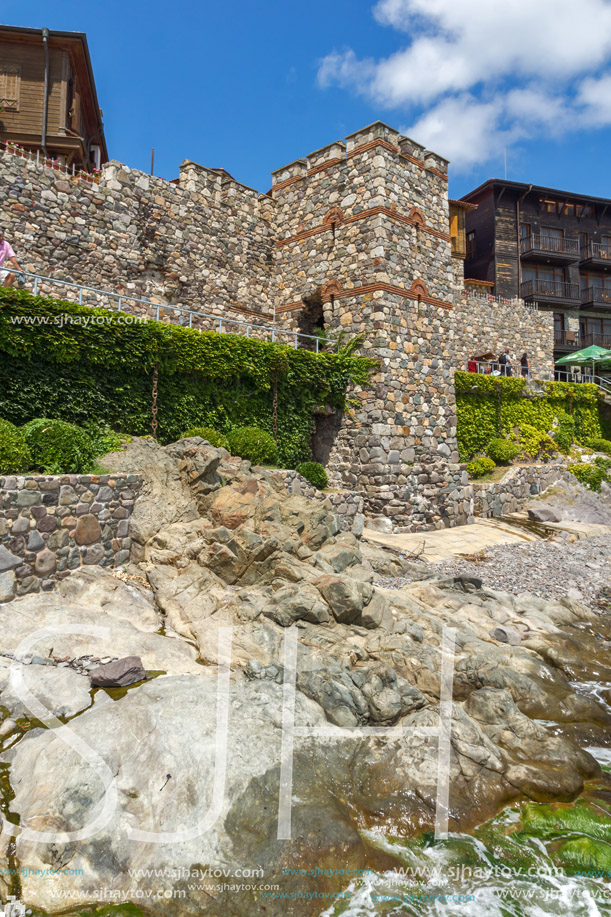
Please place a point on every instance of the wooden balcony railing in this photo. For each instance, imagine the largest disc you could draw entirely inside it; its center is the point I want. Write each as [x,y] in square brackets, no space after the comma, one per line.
[540,242]
[596,294]
[598,251]
[557,289]
[571,340]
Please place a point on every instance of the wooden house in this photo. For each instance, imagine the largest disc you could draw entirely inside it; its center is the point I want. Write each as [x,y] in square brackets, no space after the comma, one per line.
[48,99]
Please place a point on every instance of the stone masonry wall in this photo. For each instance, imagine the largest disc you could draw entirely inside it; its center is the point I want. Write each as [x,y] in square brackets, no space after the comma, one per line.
[53,524]
[514,490]
[483,323]
[205,244]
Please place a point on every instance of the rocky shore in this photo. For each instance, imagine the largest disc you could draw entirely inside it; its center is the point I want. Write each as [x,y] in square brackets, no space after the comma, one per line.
[135,780]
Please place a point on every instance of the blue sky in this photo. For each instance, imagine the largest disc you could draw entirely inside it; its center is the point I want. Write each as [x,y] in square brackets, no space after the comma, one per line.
[250,85]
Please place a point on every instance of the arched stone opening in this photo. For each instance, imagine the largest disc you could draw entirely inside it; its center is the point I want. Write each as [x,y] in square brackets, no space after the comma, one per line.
[311,319]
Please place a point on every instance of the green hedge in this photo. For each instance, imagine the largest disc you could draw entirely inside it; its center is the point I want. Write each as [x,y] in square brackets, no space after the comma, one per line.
[489,406]
[93,368]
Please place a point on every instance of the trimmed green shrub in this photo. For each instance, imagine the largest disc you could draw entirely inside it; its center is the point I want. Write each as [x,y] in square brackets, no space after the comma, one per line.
[58,447]
[480,466]
[15,457]
[502,451]
[599,445]
[253,444]
[214,438]
[591,475]
[315,473]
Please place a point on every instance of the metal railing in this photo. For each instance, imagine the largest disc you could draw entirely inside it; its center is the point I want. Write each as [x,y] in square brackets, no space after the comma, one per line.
[596,294]
[540,242]
[603,383]
[572,340]
[556,288]
[596,250]
[187,318]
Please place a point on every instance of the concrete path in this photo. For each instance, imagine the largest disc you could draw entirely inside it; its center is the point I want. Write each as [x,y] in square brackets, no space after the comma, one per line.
[445,544]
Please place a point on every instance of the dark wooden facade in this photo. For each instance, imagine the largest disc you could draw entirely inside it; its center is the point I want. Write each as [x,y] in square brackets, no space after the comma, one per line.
[547,246]
[74,129]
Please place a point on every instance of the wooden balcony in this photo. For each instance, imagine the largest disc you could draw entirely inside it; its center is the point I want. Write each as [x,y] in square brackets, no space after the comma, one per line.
[553,292]
[541,247]
[596,297]
[596,255]
[570,341]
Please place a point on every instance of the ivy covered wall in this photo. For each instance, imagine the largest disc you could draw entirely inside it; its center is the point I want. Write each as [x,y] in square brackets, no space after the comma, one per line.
[489,406]
[59,359]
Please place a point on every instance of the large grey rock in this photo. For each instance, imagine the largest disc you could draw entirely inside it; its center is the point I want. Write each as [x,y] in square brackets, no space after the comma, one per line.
[343,596]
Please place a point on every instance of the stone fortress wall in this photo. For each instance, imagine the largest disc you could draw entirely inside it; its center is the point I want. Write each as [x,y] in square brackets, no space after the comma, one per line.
[354,237]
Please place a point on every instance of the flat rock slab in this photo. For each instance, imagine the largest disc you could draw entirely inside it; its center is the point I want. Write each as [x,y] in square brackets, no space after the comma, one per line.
[118,674]
[448,543]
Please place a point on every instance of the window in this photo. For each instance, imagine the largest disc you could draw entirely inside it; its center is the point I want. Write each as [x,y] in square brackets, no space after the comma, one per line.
[569,210]
[551,233]
[550,206]
[585,210]
[558,323]
[583,241]
[543,272]
[10,85]
[471,244]
[605,247]
[525,231]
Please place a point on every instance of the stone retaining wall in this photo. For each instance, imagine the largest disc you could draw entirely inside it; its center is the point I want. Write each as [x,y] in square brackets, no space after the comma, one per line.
[53,524]
[347,505]
[514,490]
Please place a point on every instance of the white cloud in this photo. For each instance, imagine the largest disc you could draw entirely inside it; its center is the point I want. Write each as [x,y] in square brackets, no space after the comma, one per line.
[595,97]
[483,73]
[462,129]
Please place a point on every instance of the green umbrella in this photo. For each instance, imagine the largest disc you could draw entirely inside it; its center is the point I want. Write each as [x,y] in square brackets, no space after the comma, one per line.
[587,357]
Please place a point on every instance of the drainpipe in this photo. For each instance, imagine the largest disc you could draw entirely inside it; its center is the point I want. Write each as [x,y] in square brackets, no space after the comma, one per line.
[45,101]
[518,202]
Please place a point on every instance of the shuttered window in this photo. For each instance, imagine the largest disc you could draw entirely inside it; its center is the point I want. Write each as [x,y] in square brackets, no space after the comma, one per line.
[10,84]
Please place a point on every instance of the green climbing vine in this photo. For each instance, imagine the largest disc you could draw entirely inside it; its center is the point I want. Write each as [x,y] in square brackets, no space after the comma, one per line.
[59,359]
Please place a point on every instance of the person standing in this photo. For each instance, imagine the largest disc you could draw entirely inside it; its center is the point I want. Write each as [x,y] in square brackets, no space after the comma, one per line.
[525,365]
[7,256]
[503,363]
